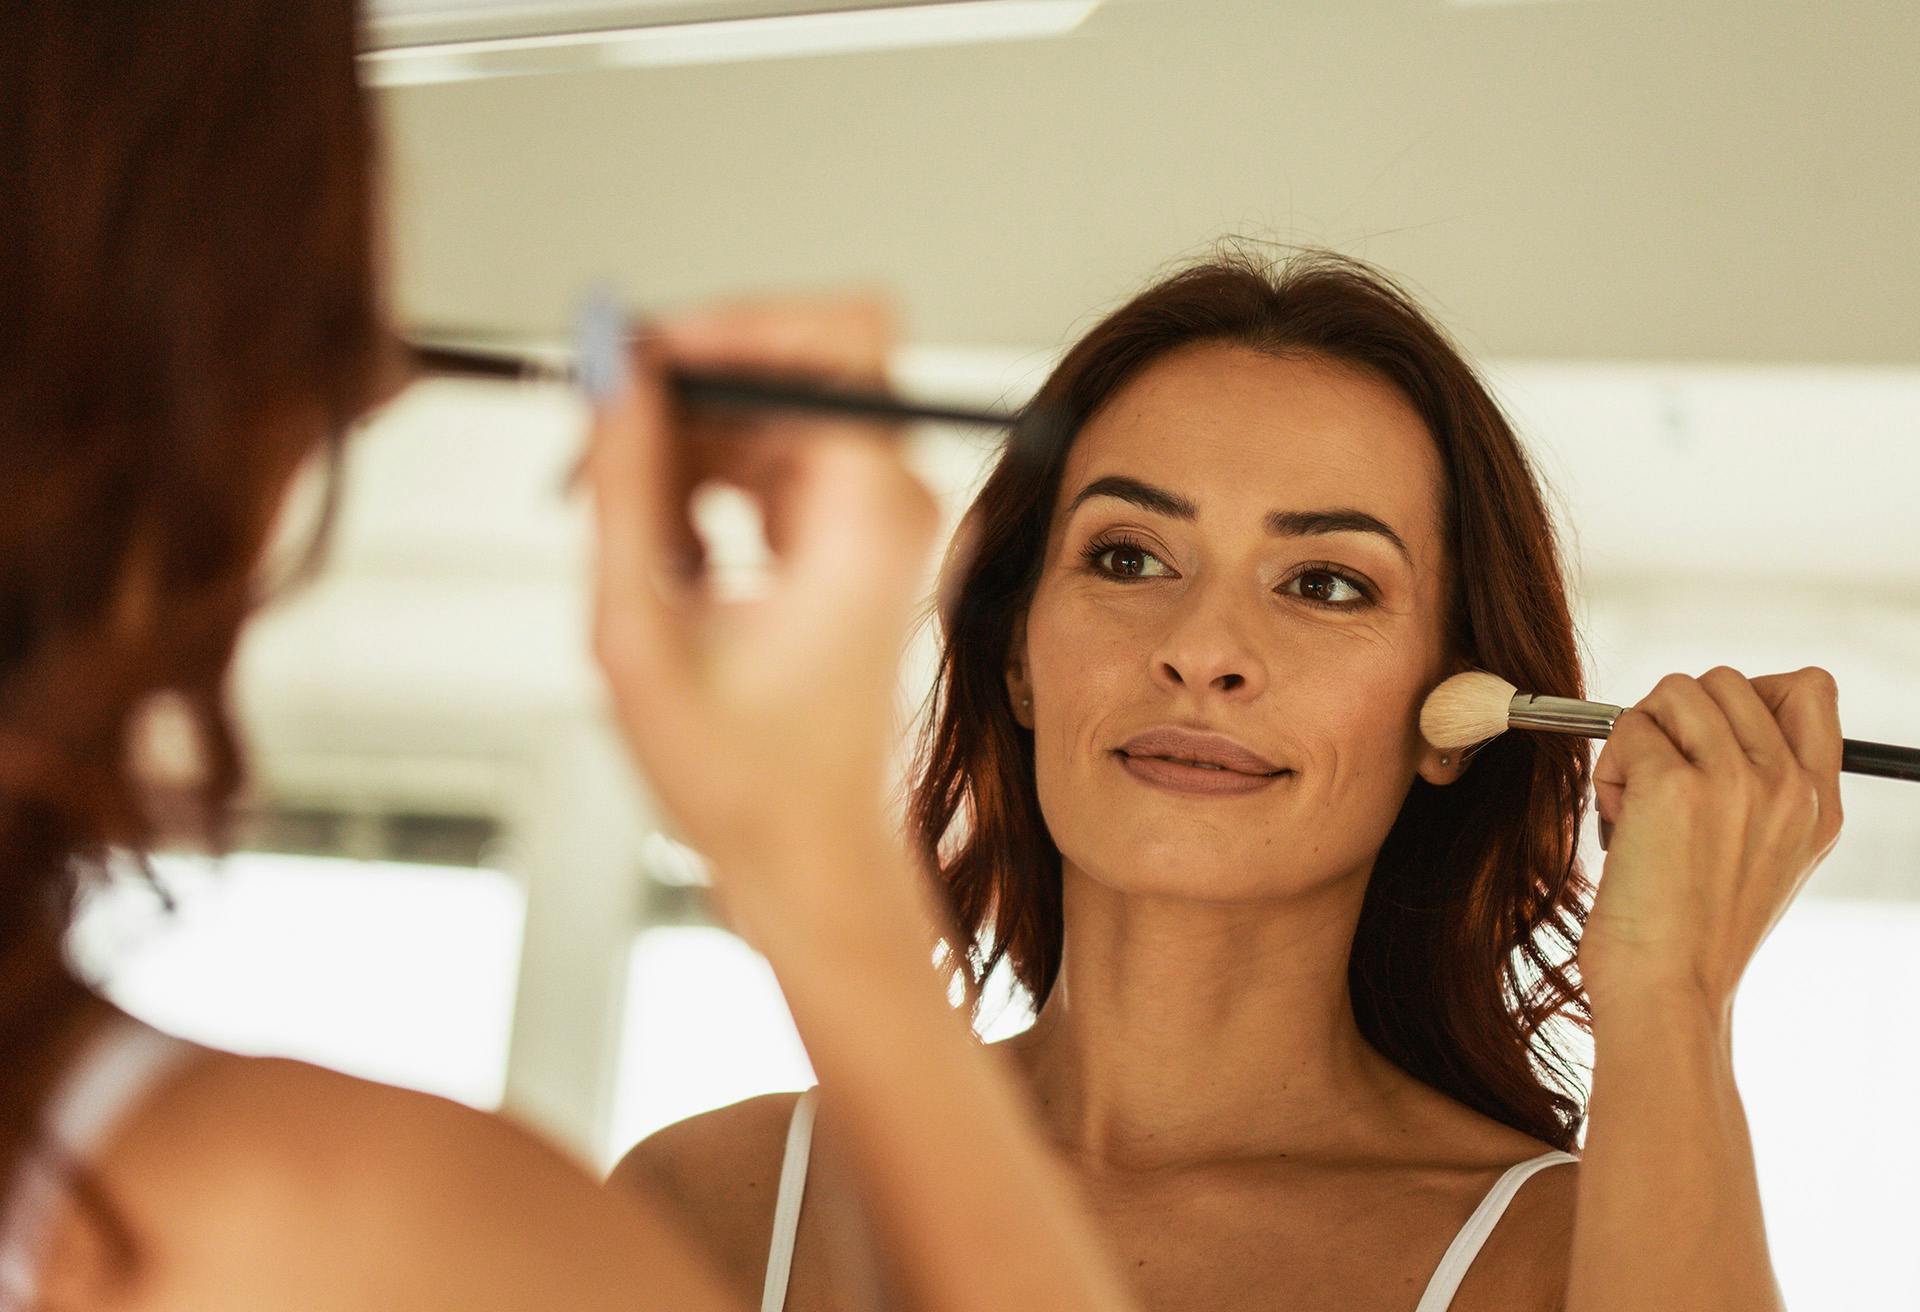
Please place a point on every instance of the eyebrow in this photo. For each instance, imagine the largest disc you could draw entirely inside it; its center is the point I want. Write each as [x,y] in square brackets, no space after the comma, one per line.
[1280,523]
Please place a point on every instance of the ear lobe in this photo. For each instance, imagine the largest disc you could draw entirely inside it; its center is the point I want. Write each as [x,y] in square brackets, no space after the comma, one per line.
[1019,691]
[1442,768]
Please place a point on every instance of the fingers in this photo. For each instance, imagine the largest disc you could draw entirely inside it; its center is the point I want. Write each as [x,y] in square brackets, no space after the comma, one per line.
[783,460]
[1751,721]
[1776,735]
[642,541]
[1806,706]
[1637,751]
[847,338]
[1693,721]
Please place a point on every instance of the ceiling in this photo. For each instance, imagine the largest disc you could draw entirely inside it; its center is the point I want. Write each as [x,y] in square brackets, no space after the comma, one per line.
[1597,179]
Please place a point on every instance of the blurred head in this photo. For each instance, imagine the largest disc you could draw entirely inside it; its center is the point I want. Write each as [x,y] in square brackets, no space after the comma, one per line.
[187,276]
[1274,505]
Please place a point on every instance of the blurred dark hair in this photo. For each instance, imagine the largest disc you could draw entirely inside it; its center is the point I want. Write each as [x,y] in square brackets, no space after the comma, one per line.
[188,283]
[1460,958]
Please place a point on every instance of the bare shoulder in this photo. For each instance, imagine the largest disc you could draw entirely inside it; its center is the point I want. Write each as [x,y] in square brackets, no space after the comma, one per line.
[1525,1260]
[718,1174]
[253,1182]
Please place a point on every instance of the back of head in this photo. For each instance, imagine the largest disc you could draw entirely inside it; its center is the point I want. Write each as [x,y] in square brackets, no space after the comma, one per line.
[188,284]
[1454,970]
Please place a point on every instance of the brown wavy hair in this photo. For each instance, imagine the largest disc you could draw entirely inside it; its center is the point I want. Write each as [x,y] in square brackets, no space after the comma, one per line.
[1461,960]
[189,287]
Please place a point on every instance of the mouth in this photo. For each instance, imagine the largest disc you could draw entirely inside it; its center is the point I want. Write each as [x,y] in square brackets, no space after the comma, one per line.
[1200,765]
[1191,778]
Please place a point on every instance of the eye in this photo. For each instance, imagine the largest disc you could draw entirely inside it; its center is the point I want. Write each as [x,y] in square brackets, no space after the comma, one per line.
[1335,589]
[1129,559]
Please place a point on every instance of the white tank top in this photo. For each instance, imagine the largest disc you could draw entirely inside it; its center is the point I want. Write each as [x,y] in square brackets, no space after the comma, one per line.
[1438,1297]
[119,1065]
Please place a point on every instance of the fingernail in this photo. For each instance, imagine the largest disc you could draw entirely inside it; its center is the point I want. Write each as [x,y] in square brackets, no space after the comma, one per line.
[600,345]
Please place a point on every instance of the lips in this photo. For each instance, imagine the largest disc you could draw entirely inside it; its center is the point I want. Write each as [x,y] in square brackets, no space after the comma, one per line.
[1195,748]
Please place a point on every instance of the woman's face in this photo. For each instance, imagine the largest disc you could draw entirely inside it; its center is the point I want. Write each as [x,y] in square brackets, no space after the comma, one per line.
[1250,547]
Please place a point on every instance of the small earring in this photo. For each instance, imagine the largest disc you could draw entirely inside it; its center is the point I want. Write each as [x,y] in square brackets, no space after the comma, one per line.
[1445,759]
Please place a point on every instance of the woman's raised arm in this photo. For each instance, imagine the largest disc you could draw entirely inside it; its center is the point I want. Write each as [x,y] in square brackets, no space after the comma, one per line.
[1719,795]
[766,728]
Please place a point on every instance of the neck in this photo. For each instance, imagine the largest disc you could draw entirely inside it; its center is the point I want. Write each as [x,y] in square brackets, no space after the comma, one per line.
[1181,1031]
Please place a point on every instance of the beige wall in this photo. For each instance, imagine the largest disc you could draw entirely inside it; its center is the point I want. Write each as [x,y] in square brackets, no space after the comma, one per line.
[1639,179]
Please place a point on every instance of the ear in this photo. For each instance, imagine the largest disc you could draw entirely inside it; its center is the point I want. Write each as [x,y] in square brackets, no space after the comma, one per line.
[1019,688]
[1441,768]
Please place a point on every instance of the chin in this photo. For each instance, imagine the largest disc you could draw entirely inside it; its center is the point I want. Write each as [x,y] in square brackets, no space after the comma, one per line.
[1194,869]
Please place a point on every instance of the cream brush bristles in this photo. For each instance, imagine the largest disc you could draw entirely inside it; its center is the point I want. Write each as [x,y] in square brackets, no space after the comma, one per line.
[1475,707]
[1470,708]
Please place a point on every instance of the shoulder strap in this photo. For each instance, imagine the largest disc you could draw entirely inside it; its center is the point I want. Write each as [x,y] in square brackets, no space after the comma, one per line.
[786,1210]
[118,1066]
[1466,1245]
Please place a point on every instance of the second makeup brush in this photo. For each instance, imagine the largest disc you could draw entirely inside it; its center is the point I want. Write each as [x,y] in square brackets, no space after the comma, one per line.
[1473,707]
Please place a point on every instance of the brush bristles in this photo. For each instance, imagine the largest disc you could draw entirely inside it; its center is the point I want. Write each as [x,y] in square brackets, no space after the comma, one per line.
[1467,709]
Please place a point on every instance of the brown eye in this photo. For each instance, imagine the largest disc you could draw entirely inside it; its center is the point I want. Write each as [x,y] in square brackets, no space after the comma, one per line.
[1330,588]
[1122,560]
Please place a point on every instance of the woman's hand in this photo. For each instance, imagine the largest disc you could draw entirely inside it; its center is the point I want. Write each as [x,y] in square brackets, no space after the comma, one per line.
[1717,798]
[764,725]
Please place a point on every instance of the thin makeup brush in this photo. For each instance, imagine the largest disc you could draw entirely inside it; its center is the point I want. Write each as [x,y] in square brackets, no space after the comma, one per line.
[1471,708]
[451,356]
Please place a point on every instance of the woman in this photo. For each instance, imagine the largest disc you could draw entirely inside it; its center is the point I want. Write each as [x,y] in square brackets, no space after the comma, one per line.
[188,278]
[1295,969]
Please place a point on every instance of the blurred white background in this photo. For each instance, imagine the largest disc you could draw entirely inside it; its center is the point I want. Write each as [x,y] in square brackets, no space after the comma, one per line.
[1680,239]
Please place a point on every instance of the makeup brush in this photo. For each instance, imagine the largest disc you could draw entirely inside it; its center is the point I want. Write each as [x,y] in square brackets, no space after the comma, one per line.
[451,356]
[1473,707]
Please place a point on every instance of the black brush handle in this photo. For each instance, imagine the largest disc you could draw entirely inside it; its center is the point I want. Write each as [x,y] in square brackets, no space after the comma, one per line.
[749,392]
[466,359]
[1882,759]
[1595,720]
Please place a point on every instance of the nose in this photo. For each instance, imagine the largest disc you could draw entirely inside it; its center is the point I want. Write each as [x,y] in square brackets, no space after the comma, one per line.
[1209,645]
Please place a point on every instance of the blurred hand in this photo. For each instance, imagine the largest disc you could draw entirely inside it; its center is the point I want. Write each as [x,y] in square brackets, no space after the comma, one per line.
[764,726]
[1721,795]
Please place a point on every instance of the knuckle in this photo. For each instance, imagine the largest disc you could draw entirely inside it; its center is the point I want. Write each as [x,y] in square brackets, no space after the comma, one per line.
[1722,674]
[1819,680]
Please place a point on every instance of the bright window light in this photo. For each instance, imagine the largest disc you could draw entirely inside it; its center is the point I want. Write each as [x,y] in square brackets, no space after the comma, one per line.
[1822,1039]
[706,1026]
[393,972]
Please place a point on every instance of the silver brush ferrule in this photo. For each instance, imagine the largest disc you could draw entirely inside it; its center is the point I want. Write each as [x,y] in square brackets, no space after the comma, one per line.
[1562,715]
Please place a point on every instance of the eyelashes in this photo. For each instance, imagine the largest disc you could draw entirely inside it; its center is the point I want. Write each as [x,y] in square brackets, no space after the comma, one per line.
[1109,543]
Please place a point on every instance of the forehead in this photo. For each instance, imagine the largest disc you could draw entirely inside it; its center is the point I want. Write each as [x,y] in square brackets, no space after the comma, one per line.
[1240,433]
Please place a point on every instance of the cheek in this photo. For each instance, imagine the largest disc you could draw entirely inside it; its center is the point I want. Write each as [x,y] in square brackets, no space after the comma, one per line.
[1357,713]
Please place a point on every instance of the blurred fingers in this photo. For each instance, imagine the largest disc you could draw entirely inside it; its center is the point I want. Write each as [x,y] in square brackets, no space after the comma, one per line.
[846,338]
[643,544]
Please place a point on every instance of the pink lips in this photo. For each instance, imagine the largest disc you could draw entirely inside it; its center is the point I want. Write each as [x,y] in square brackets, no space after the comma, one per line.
[1189,761]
